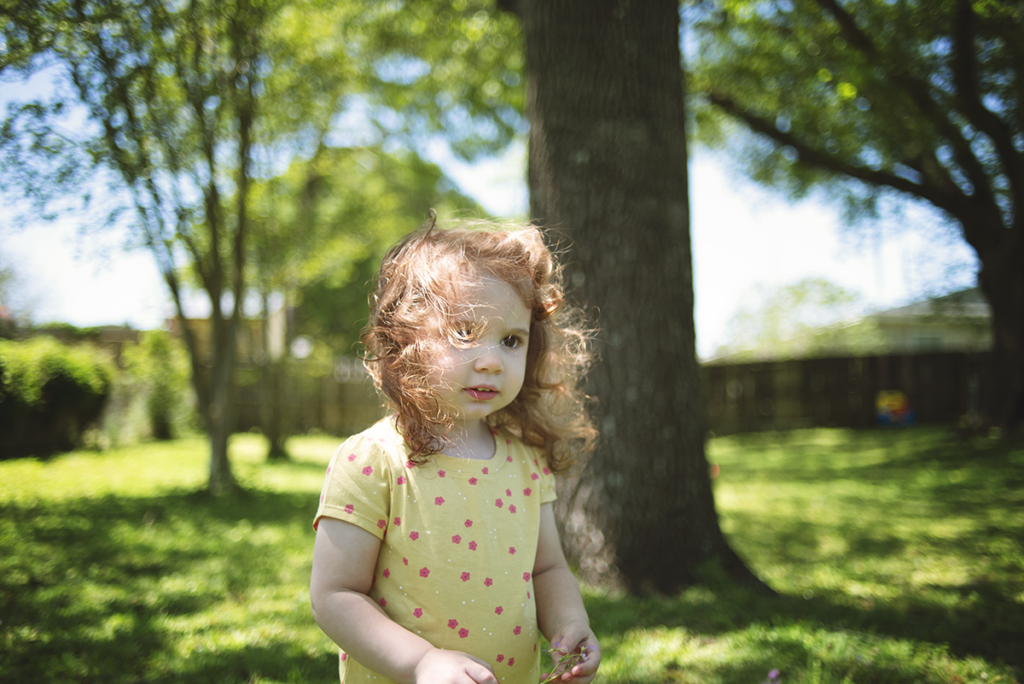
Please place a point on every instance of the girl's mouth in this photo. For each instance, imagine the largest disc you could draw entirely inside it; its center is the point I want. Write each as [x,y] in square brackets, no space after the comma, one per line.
[482,393]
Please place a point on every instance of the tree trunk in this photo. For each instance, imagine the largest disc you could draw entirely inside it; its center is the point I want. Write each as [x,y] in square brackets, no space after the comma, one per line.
[607,170]
[1002,282]
[272,408]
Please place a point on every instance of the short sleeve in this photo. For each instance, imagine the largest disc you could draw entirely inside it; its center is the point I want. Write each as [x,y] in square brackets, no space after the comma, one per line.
[547,480]
[357,486]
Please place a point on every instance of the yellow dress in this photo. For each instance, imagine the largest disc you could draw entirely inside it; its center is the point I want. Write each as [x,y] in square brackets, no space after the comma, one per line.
[458,544]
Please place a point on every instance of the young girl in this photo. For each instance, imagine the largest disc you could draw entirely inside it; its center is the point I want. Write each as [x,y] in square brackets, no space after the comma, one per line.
[437,558]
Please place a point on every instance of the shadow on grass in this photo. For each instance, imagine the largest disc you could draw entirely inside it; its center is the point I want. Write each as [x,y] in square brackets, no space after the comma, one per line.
[122,589]
[990,630]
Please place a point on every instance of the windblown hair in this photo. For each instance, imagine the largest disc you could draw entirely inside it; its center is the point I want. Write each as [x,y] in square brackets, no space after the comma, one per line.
[418,296]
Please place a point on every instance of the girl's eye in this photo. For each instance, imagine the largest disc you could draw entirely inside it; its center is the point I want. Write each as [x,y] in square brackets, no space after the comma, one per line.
[464,334]
[512,341]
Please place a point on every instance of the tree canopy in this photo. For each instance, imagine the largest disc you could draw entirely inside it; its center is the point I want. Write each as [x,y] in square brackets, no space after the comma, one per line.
[885,98]
[192,109]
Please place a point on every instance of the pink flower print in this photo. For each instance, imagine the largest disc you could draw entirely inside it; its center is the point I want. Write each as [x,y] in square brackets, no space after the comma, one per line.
[401,479]
[534,476]
[527,595]
[511,662]
[509,459]
[382,524]
[527,491]
[497,611]
[500,657]
[344,657]
[463,633]
[453,623]
[465,577]
[485,470]
[508,492]
[468,523]
[410,465]
[440,473]
[367,470]
[472,480]
[351,457]
[414,535]
[512,550]
[386,573]
[526,576]
[328,470]
[321,498]
[349,508]
[512,509]
[418,612]
[499,503]
[488,582]
[438,500]
[517,630]
[424,572]
[405,561]
[472,546]
[547,471]
[383,602]
[456,539]
[398,522]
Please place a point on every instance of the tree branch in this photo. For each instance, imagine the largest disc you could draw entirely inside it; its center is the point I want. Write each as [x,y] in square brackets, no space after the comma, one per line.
[932,111]
[982,118]
[951,202]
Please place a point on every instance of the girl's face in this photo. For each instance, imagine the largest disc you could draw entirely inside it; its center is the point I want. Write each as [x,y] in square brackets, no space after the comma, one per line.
[482,370]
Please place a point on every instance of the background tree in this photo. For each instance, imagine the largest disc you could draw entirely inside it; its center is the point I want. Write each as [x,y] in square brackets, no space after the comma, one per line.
[173,98]
[607,169]
[192,102]
[812,317]
[878,98]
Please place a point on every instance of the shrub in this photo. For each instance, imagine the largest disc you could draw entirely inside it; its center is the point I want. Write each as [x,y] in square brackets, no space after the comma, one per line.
[157,370]
[49,394]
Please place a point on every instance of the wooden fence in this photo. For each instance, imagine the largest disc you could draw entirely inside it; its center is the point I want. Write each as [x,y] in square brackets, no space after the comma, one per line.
[943,388]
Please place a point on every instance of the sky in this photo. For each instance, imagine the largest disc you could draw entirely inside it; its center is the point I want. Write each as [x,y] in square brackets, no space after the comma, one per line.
[746,241]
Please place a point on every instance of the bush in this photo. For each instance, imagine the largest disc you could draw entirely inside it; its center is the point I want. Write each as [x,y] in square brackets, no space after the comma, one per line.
[156,383]
[49,394]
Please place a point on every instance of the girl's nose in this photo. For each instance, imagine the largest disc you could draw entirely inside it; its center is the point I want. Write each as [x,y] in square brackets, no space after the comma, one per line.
[488,361]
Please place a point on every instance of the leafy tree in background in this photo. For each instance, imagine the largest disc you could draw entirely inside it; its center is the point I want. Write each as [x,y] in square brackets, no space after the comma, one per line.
[607,167]
[171,94]
[886,98]
[812,317]
[189,104]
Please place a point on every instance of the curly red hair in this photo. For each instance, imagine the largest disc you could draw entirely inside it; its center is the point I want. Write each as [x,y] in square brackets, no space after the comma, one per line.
[421,282]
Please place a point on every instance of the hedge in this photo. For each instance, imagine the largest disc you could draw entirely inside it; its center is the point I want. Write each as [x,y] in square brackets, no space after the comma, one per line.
[49,394]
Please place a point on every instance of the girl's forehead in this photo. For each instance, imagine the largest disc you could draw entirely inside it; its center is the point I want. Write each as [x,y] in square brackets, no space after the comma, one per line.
[489,297]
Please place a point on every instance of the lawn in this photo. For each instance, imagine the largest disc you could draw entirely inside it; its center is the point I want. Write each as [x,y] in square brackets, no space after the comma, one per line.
[898,556]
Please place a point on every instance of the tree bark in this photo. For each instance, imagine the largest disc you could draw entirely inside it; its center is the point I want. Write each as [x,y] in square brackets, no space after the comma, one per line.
[607,170]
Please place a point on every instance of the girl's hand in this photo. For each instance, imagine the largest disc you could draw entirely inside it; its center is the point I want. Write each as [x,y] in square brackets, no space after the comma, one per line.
[453,667]
[578,640]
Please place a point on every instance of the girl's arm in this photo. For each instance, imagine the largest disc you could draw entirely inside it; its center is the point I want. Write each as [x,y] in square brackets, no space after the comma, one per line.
[344,558]
[560,611]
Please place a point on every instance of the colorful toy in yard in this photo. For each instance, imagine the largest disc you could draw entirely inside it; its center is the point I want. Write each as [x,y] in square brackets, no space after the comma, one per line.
[894,409]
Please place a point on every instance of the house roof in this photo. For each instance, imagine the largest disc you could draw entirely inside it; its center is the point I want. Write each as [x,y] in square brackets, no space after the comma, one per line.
[968,303]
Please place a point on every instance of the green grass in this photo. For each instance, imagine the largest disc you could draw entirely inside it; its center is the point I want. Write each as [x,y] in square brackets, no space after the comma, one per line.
[898,557]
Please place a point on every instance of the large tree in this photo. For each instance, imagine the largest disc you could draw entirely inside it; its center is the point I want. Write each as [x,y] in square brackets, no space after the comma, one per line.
[189,104]
[879,98]
[185,105]
[607,170]
[171,97]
